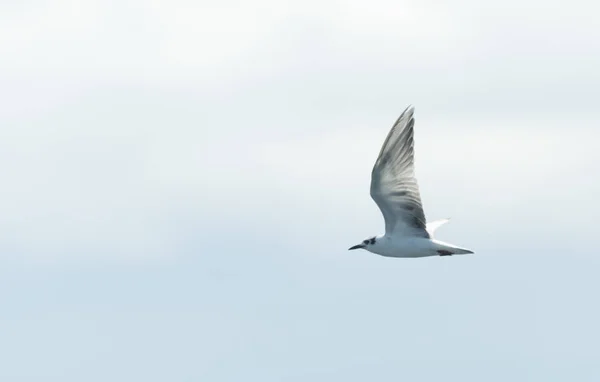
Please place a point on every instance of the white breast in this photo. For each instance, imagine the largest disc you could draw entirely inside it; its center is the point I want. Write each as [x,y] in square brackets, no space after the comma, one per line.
[403,247]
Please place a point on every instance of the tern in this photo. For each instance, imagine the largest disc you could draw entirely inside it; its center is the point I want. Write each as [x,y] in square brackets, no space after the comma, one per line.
[395,190]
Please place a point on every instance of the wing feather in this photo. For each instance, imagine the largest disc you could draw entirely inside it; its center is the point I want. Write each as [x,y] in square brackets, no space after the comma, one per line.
[393,184]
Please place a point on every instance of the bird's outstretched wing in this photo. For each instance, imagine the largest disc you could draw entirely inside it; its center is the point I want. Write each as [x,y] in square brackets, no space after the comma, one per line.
[393,184]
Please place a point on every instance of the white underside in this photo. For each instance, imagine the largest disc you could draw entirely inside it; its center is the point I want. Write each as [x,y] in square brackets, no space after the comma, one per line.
[412,247]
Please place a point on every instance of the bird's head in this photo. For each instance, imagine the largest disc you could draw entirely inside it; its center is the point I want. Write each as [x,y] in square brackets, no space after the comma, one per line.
[365,244]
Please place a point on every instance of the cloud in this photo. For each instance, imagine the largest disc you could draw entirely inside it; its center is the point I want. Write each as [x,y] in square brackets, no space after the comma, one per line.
[135,130]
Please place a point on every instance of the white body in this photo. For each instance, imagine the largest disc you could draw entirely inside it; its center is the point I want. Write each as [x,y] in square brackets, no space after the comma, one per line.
[390,246]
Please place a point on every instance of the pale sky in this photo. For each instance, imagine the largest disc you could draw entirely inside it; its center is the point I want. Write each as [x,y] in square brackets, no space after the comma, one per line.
[181,181]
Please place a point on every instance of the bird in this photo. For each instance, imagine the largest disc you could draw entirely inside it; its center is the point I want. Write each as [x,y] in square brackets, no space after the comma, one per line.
[395,190]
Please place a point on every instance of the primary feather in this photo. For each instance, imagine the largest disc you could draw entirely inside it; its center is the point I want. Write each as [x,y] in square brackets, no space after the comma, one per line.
[393,184]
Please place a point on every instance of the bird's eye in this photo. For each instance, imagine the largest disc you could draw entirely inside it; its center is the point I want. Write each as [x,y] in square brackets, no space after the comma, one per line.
[366,242]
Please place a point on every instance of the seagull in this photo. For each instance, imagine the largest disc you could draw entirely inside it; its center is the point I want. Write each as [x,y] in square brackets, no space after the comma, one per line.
[395,190]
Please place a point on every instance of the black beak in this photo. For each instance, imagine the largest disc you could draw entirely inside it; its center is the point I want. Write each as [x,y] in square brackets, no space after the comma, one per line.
[356,247]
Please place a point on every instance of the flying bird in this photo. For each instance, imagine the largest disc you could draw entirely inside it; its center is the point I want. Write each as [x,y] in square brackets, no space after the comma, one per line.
[395,190]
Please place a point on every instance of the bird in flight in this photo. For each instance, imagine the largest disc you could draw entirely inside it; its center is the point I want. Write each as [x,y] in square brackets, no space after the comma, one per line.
[395,190]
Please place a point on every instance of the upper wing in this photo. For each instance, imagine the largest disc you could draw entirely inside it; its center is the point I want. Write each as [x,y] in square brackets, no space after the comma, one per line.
[393,184]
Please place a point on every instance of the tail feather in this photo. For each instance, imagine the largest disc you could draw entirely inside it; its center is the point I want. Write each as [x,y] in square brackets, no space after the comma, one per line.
[449,249]
[461,251]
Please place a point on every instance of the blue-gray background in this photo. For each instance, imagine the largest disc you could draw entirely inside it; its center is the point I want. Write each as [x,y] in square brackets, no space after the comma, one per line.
[181,180]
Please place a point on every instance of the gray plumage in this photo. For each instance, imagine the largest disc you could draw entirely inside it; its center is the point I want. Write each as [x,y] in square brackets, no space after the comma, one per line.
[393,184]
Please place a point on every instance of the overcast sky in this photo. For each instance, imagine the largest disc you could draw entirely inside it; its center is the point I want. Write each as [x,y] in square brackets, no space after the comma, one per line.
[181,181]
